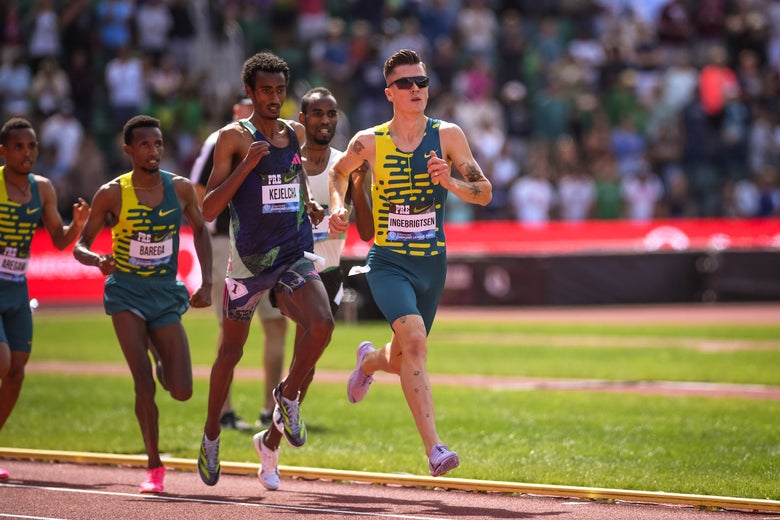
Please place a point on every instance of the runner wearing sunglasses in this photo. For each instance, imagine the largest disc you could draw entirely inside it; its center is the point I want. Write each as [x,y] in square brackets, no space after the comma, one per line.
[411,157]
[406,83]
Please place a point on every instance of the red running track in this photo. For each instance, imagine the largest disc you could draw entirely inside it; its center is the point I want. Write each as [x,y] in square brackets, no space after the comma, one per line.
[80,492]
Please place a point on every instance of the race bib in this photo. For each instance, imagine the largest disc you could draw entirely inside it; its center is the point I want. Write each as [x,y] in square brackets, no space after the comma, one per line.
[411,222]
[281,194]
[11,264]
[320,231]
[235,289]
[144,251]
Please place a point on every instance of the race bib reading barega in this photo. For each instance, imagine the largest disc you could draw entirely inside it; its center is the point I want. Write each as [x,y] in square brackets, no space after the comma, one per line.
[12,264]
[147,250]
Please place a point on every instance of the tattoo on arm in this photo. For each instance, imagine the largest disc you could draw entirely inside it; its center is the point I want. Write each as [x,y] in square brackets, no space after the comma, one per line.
[472,173]
[357,147]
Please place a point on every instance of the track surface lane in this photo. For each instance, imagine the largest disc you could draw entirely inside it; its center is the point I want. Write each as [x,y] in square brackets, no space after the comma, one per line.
[86,492]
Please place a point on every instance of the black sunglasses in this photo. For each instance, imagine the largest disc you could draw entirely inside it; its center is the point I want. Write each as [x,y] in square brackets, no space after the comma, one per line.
[406,83]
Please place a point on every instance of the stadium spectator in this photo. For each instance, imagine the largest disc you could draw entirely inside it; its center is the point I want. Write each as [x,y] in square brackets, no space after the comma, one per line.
[665,150]
[61,136]
[165,81]
[533,196]
[153,24]
[44,37]
[438,18]
[608,204]
[700,158]
[226,44]
[78,31]
[182,34]
[411,37]
[115,26]
[674,27]
[50,87]
[505,170]
[768,191]
[551,111]
[747,28]
[15,83]
[83,87]
[763,140]
[126,86]
[445,67]
[642,192]
[331,59]
[716,78]
[11,32]
[708,18]
[773,45]
[312,20]
[734,135]
[366,86]
[510,47]
[587,51]
[477,29]
[628,144]
[576,187]
[676,201]
[679,81]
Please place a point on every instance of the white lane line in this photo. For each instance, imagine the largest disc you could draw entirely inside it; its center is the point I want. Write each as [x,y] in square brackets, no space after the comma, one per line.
[5,515]
[176,498]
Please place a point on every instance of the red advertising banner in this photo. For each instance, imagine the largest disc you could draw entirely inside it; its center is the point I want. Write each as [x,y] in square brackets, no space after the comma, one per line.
[55,277]
[514,238]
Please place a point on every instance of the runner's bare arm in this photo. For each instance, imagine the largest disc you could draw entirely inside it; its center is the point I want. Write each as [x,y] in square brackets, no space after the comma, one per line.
[361,203]
[235,154]
[105,205]
[474,188]
[61,236]
[190,208]
[359,151]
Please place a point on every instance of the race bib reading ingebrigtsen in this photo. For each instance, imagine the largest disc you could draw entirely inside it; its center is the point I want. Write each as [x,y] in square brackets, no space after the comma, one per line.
[411,222]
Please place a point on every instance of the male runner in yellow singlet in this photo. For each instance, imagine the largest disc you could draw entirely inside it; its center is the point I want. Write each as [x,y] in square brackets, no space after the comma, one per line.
[411,157]
[142,295]
[25,200]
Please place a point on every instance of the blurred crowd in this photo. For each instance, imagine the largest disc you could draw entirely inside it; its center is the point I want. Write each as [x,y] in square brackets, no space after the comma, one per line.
[575,109]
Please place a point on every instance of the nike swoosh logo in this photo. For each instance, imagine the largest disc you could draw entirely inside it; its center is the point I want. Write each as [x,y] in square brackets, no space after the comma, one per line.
[30,211]
[427,155]
[163,213]
[289,179]
[417,210]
